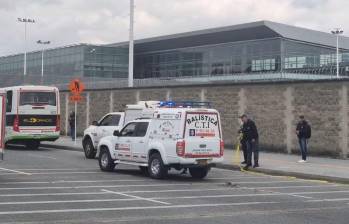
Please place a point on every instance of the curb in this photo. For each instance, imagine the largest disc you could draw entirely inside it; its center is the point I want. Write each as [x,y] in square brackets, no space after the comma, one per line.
[62,147]
[236,167]
[288,173]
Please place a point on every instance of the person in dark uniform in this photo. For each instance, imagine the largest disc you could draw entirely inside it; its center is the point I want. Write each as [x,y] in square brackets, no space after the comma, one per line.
[242,140]
[250,133]
[72,125]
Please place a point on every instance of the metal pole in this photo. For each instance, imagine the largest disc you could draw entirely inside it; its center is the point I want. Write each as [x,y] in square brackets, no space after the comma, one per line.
[130,53]
[42,66]
[75,123]
[25,50]
[337,59]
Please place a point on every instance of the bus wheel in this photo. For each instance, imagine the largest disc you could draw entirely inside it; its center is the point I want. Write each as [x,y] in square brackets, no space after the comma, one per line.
[32,145]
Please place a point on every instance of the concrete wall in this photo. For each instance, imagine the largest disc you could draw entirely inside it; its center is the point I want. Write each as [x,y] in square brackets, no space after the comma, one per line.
[275,108]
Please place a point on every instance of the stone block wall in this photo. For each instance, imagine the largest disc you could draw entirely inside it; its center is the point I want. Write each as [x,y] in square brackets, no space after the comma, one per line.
[275,107]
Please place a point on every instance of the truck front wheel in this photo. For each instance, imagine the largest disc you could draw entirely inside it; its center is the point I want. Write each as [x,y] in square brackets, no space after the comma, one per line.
[156,167]
[105,161]
[199,172]
[90,152]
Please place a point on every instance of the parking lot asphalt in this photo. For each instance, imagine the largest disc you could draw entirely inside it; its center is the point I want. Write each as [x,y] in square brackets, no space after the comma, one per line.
[61,186]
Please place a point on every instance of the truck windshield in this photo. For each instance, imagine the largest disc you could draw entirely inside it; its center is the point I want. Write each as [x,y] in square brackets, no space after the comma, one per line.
[37,98]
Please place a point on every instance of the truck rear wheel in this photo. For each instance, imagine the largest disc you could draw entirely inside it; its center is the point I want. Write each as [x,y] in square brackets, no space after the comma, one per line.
[156,167]
[105,161]
[199,172]
[90,152]
[33,145]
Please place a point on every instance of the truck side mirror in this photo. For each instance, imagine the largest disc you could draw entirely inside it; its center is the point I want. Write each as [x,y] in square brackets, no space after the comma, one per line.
[94,123]
[116,133]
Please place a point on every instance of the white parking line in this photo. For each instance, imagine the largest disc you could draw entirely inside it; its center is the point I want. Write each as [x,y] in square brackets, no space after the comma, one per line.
[95,186]
[300,196]
[130,208]
[55,173]
[161,185]
[37,156]
[136,197]
[329,199]
[68,201]
[14,171]
[55,169]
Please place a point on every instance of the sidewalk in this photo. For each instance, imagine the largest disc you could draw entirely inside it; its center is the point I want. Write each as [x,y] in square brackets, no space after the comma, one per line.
[65,143]
[319,168]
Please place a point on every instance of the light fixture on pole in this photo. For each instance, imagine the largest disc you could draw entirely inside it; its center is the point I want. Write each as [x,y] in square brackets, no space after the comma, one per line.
[130,50]
[25,21]
[93,51]
[42,58]
[337,32]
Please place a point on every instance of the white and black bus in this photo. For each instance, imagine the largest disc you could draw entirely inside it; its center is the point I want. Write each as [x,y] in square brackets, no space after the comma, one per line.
[32,115]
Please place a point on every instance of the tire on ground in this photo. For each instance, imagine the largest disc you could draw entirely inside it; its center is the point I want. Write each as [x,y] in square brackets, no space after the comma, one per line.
[105,161]
[89,150]
[156,167]
[199,172]
[144,170]
[33,145]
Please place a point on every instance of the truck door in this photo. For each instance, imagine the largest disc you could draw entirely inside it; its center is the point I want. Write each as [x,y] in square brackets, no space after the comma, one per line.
[124,143]
[140,141]
[132,141]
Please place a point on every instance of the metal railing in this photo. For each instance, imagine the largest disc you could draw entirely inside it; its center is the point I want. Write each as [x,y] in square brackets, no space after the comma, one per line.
[104,83]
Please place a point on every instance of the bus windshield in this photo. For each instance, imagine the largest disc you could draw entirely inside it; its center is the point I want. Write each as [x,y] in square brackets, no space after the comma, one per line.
[37,98]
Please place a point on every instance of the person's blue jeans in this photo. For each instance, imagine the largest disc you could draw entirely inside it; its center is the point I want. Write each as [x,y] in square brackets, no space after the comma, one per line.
[303,147]
[252,148]
[72,132]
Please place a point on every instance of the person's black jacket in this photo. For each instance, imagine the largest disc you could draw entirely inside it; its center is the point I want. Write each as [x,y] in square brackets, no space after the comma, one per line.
[72,120]
[303,129]
[249,131]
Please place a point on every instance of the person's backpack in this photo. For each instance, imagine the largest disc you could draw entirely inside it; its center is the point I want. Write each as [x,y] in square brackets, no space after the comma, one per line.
[307,131]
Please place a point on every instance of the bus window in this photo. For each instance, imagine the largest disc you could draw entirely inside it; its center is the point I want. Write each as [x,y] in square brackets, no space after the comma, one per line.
[37,98]
[9,101]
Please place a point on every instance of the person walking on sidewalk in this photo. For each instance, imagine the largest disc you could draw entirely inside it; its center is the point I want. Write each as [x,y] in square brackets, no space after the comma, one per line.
[303,132]
[72,125]
[250,133]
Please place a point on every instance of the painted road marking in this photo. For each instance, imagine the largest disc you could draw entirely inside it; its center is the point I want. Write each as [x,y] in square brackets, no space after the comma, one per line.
[14,171]
[160,191]
[131,208]
[330,199]
[136,197]
[69,201]
[164,185]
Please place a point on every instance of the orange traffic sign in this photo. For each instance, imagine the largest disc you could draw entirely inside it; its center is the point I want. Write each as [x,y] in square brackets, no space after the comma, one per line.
[75,98]
[76,86]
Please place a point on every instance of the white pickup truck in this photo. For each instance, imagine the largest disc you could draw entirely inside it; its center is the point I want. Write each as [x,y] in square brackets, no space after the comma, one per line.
[110,123]
[165,138]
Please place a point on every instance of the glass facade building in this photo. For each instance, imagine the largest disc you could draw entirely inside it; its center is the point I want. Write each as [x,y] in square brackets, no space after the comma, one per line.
[89,62]
[235,51]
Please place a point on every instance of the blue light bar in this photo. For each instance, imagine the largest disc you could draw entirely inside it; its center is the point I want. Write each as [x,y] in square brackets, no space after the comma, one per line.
[185,104]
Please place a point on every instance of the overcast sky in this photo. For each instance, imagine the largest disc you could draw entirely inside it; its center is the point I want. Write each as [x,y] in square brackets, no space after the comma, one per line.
[66,22]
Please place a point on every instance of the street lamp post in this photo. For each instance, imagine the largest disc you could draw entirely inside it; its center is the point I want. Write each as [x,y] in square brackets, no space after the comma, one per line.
[25,21]
[42,58]
[337,32]
[130,53]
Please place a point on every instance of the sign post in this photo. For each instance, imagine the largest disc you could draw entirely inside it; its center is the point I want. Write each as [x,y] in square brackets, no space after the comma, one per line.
[76,87]
[2,125]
